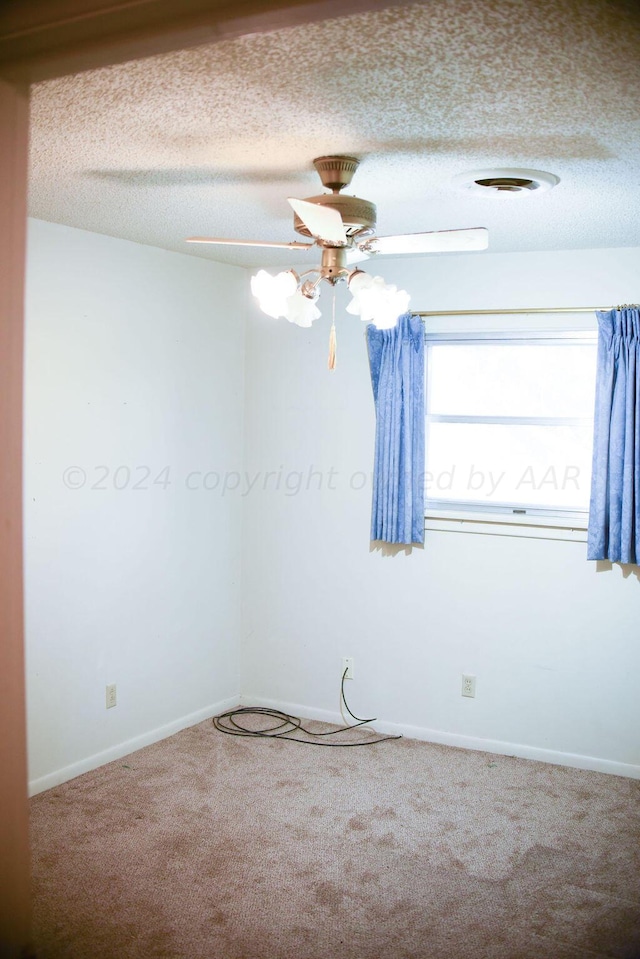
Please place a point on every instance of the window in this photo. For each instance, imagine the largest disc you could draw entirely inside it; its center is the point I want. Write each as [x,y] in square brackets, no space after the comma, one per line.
[509,427]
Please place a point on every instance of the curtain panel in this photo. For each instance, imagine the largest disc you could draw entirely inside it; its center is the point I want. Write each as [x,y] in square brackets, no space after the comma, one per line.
[614,515]
[396,359]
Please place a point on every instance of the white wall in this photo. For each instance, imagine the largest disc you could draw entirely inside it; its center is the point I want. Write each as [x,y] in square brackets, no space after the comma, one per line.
[134,358]
[552,639]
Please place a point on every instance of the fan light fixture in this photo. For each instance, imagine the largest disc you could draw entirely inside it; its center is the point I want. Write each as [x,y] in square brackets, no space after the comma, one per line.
[294,296]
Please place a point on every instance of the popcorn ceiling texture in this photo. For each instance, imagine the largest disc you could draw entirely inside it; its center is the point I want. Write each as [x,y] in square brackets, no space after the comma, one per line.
[212,140]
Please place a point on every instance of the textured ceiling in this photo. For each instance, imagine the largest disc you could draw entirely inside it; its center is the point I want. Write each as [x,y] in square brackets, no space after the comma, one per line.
[212,140]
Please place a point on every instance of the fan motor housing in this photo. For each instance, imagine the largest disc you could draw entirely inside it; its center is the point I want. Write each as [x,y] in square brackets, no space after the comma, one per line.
[358,216]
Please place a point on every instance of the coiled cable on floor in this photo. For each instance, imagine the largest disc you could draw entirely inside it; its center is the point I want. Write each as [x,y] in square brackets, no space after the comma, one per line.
[290,727]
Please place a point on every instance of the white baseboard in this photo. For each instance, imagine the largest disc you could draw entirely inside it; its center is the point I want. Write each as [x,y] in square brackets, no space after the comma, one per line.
[576,761]
[129,746]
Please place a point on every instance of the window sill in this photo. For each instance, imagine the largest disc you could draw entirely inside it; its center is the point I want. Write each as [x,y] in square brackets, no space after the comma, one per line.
[533,526]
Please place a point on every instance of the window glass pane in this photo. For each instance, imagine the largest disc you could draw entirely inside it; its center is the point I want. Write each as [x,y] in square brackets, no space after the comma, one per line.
[541,466]
[511,379]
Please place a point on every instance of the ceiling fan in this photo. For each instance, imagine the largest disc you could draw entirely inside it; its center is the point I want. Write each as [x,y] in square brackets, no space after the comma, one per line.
[339,222]
[343,227]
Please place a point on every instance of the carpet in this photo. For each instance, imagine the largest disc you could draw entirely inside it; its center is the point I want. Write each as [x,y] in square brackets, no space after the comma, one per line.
[207,846]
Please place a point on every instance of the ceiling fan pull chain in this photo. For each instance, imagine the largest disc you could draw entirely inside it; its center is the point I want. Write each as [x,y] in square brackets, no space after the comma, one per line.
[332,335]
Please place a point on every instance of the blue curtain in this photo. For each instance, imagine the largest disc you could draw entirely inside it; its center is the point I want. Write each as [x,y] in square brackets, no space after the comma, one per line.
[614,512]
[396,358]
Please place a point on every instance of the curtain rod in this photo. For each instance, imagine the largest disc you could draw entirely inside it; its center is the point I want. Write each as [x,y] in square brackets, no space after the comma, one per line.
[537,309]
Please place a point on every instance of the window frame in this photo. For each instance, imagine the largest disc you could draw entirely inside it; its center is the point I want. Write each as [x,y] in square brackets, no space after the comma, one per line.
[506,519]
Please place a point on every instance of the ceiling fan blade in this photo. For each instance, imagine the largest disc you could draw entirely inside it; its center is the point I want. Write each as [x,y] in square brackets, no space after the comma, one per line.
[321,221]
[441,241]
[294,245]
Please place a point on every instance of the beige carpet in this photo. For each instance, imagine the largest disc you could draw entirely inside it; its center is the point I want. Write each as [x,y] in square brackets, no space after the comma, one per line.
[206,846]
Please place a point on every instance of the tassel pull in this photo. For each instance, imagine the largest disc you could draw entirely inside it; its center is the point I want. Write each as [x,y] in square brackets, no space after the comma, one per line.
[332,336]
[332,348]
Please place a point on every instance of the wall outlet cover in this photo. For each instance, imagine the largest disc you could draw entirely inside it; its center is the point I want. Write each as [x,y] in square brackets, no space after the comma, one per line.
[468,686]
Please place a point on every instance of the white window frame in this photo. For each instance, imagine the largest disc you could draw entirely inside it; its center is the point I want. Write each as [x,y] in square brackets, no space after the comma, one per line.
[503,519]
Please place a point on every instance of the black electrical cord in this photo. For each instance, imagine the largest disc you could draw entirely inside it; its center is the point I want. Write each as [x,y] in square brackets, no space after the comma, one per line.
[286,725]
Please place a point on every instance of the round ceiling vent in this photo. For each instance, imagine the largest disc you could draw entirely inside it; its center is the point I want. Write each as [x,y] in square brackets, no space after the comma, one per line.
[506,182]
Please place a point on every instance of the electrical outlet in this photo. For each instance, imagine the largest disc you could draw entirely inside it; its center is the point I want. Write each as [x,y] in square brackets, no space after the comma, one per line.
[111,695]
[468,686]
[347,663]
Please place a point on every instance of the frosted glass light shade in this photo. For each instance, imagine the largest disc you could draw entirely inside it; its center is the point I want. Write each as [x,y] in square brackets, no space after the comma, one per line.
[301,310]
[375,301]
[272,292]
